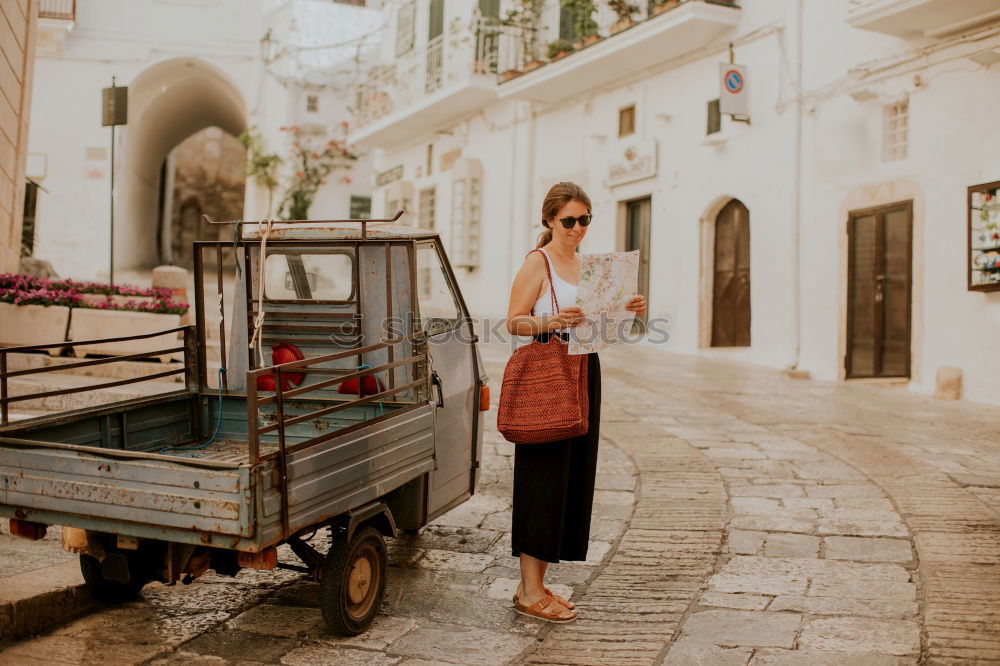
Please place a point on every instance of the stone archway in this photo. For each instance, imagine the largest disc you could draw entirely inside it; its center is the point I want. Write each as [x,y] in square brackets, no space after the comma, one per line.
[167,103]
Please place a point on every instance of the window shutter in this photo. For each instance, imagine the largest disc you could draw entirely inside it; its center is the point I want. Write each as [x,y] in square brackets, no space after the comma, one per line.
[567,24]
[405,28]
[437,19]
[714,117]
[490,8]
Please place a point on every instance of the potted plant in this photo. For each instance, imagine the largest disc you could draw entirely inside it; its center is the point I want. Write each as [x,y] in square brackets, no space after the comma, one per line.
[559,48]
[313,161]
[32,312]
[584,24]
[624,10]
[661,6]
[524,17]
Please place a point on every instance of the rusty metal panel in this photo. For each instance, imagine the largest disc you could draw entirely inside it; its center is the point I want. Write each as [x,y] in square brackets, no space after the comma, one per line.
[346,472]
[154,492]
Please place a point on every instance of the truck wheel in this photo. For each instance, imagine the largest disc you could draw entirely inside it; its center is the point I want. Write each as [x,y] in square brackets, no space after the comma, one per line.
[352,583]
[110,591]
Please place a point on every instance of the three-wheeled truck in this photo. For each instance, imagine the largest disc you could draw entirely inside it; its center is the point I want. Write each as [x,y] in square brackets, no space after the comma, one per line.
[348,396]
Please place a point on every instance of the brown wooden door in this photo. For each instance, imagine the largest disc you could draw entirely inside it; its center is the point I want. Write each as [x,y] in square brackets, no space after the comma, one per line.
[879,286]
[638,219]
[731,279]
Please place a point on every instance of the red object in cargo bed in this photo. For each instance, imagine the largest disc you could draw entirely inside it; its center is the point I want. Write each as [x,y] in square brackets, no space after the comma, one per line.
[370,385]
[282,352]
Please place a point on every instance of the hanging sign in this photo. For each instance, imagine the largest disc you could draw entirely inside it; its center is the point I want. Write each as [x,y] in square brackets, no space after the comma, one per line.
[114,106]
[733,98]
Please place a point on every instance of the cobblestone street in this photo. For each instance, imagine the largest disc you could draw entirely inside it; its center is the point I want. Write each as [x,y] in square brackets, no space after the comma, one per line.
[741,517]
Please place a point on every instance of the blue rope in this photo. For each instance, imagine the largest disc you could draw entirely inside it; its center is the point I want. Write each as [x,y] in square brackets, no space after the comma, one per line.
[218,424]
[365,366]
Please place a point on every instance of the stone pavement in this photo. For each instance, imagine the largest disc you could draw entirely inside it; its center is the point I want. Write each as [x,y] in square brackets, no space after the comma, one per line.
[772,521]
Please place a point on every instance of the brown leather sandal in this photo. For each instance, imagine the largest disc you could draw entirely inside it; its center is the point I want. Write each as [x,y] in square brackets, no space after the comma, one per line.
[568,604]
[548,609]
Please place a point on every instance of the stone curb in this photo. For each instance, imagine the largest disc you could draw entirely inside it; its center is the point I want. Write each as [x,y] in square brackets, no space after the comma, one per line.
[44,607]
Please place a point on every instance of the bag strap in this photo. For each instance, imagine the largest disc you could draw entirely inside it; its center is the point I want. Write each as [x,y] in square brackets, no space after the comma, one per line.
[552,286]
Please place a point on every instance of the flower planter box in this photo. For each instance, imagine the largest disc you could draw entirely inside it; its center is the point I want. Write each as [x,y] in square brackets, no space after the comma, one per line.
[534,64]
[87,324]
[621,25]
[33,325]
[591,39]
[96,300]
[510,74]
[659,9]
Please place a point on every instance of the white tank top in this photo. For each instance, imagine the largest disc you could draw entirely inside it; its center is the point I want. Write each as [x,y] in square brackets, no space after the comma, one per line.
[565,293]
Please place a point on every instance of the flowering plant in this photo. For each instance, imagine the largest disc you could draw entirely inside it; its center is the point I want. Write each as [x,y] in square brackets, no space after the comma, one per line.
[313,161]
[28,290]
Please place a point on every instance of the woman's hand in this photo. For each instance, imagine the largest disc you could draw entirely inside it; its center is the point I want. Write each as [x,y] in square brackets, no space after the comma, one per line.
[636,304]
[571,317]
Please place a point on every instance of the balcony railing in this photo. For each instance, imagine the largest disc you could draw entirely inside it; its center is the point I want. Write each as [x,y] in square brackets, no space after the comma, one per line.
[60,10]
[483,47]
[669,30]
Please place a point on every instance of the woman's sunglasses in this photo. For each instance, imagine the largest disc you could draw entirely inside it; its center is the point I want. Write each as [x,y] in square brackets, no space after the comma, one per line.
[570,222]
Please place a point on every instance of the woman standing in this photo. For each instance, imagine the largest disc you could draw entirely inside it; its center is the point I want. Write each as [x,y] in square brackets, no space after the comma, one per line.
[554,481]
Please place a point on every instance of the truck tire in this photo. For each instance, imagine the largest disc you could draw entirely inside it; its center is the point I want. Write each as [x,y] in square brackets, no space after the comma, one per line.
[352,583]
[109,591]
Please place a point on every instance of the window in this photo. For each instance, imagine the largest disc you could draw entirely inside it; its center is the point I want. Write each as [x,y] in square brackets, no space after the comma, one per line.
[714,117]
[318,277]
[626,121]
[312,103]
[568,24]
[439,309]
[405,23]
[896,131]
[430,157]
[426,212]
[466,212]
[361,208]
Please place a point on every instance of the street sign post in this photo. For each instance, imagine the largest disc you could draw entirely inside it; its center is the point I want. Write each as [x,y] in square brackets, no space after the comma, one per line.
[114,111]
[733,98]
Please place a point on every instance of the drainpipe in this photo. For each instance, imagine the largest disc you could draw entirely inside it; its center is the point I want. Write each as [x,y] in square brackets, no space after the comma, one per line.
[797,192]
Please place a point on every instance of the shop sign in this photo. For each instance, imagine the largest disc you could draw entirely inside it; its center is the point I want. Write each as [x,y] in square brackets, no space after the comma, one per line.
[638,161]
[387,177]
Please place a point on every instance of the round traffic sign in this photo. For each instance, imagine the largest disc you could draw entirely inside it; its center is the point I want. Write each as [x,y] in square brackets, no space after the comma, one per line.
[733,81]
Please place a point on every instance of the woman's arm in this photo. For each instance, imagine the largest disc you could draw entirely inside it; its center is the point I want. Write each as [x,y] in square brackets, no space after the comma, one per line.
[523,294]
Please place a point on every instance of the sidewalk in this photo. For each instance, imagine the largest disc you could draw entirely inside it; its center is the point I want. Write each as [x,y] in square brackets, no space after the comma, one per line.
[40,585]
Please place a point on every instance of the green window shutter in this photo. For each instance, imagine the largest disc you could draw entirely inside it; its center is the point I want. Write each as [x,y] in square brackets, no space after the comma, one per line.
[437,19]
[714,117]
[567,24]
[490,8]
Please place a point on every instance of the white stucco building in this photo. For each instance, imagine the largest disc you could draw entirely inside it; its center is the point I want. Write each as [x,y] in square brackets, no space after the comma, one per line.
[187,65]
[829,234]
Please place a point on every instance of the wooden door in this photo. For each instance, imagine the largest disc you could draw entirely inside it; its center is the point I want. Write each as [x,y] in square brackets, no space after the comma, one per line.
[638,221]
[879,287]
[731,277]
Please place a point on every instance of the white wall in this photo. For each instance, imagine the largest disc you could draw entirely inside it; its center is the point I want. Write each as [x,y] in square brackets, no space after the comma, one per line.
[188,65]
[525,147]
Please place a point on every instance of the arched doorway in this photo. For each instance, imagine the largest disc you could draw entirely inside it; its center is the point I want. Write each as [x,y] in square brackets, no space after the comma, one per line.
[730,261]
[168,102]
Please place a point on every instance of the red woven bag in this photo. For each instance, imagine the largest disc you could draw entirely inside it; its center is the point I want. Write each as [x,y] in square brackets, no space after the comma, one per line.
[544,394]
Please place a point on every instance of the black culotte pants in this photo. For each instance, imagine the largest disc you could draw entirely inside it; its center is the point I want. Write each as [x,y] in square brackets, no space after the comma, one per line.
[554,488]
